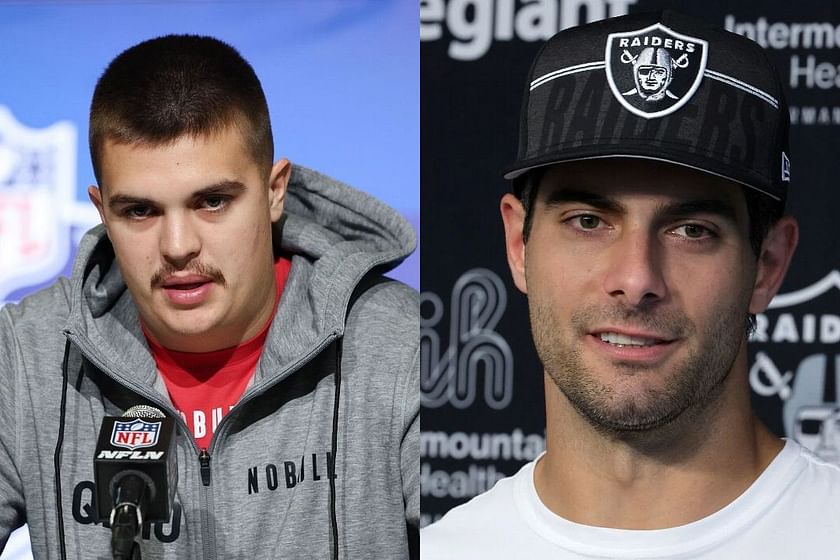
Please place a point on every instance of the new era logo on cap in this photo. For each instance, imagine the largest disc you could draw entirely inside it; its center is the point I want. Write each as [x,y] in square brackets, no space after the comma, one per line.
[654,71]
[785,167]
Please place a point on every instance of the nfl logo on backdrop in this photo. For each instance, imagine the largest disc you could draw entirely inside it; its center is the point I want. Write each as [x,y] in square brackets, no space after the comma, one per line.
[135,434]
[654,71]
[37,184]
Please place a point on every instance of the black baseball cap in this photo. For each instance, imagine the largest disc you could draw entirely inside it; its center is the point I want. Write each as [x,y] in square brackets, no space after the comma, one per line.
[659,86]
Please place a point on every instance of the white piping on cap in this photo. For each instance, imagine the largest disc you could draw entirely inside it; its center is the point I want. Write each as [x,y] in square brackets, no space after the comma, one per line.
[729,80]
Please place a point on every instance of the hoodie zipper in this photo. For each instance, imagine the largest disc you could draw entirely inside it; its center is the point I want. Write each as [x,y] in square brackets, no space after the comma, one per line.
[207,524]
[204,466]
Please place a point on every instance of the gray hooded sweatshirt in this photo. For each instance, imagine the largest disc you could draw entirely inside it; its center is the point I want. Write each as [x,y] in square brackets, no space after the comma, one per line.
[265,490]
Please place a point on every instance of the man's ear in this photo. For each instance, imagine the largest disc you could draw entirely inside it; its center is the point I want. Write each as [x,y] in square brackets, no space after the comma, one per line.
[513,216]
[773,262]
[95,195]
[278,181]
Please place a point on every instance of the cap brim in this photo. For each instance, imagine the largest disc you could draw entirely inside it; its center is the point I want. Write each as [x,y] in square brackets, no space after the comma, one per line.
[524,167]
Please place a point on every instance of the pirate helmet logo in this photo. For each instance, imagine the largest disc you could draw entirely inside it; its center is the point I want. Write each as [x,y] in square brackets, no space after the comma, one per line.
[654,71]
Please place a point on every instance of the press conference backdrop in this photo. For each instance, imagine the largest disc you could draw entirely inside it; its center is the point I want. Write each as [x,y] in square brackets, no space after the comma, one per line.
[341,77]
[481,382]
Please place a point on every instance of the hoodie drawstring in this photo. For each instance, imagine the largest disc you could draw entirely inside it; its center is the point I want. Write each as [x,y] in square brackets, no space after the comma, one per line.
[58,445]
[332,475]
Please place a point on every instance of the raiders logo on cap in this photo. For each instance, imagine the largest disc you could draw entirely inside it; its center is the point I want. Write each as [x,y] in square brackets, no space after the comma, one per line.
[654,71]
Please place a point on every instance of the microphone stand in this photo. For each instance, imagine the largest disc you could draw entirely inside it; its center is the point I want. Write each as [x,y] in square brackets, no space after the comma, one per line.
[126,518]
[123,529]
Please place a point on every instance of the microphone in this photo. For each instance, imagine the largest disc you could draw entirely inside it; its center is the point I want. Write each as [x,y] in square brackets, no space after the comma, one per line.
[135,474]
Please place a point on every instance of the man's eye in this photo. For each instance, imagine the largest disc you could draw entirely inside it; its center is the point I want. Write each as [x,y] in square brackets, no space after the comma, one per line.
[586,221]
[137,212]
[215,202]
[694,231]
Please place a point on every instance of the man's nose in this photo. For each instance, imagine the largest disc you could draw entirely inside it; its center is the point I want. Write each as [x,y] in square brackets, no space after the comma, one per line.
[635,269]
[179,241]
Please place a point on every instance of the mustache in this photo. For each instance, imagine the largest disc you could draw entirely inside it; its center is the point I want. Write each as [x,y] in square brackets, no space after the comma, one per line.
[198,268]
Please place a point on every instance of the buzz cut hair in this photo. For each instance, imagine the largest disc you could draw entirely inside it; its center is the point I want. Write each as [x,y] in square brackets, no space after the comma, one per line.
[166,88]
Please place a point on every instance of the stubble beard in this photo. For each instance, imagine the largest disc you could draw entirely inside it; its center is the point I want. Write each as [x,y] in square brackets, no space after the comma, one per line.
[693,385]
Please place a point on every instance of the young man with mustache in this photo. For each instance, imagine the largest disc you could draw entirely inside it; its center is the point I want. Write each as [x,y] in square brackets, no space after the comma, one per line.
[242,297]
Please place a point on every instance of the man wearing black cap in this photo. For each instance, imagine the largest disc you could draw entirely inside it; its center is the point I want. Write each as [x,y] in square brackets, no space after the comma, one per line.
[646,228]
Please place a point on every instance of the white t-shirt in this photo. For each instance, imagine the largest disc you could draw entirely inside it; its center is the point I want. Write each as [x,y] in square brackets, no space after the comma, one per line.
[791,512]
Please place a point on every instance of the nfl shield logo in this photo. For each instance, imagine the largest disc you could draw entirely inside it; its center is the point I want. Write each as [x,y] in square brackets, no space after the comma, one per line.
[135,434]
[654,71]
[37,184]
